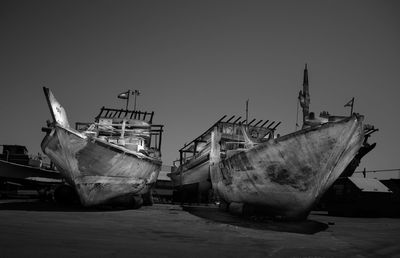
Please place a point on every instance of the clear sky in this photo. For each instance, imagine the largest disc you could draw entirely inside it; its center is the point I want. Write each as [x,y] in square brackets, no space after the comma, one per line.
[195,61]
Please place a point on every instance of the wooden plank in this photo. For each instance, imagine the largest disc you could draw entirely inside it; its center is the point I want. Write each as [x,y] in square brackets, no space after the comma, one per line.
[273,122]
[264,123]
[227,121]
[276,125]
[252,121]
[258,123]
[237,119]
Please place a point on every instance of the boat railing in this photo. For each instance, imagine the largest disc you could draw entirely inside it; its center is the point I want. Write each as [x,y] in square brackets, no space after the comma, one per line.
[6,154]
[124,113]
[234,145]
[118,127]
[120,130]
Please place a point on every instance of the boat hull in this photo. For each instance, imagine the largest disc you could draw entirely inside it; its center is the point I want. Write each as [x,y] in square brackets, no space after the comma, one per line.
[285,177]
[24,173]
[199,173]
[100,172]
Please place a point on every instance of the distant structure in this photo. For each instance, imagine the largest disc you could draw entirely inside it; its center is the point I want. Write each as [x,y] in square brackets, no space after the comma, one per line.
[163,189]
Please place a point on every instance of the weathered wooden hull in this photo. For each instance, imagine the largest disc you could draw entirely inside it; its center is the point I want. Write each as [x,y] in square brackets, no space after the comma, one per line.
[197,174]
[24,173]
[286,176]
[99,171]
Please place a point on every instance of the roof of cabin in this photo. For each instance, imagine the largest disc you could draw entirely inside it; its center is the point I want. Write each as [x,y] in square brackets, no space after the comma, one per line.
[369,184]
[124,113]
[233,121]
[14,148]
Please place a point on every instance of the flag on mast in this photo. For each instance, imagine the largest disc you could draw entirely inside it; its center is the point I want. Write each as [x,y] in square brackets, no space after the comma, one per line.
[124,95]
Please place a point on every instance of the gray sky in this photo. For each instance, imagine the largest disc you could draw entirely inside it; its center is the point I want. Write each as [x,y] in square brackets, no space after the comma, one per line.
[195,61]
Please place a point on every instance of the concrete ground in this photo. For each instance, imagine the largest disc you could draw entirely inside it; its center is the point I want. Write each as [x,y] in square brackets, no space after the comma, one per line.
[37,229]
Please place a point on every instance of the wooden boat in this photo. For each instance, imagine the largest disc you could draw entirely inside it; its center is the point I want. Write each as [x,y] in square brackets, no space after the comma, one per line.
[19,168]
[191,178]
[284,176]
[250,169]
[115,160]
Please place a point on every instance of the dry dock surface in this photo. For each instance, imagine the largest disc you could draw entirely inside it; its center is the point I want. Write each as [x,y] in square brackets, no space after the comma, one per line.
[39,229]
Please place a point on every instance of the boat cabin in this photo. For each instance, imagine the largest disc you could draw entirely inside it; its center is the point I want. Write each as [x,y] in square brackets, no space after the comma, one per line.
[15,153]
[357,196]
[235,135]
[130,129]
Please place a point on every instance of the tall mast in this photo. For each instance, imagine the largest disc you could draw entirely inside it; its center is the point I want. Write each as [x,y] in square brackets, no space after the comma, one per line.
[304,96]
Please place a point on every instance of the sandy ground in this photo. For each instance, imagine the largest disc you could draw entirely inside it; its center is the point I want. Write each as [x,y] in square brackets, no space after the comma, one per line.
[38,229]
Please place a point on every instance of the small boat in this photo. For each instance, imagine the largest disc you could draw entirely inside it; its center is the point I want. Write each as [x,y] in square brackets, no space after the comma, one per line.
[113,161]
[251,169]
[26,171]
[191,178]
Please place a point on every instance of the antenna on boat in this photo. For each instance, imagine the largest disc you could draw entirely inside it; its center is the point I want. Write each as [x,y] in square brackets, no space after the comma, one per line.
[247,111]
[135,93]
[126,95]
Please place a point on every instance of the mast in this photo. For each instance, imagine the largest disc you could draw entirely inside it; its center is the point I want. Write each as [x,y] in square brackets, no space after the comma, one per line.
[127,99]
[304,96]
[247,112]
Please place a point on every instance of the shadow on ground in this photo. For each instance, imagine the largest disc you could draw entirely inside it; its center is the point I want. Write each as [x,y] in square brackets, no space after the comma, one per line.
[261,223]
[38,205]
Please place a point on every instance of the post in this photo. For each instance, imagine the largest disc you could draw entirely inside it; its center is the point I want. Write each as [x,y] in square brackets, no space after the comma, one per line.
[134,102]
[352,105]
[135,93]
[127,100]
[247,112]
[160,140]
[7,154]
[180,178]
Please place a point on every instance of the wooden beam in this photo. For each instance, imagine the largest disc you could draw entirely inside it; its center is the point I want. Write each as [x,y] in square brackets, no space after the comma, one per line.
[258,123]
[237,119]
[199,137]
[227,121]
[252,121]
[276,125]
[151,118]
[273,122]
[264,123]
[243,122]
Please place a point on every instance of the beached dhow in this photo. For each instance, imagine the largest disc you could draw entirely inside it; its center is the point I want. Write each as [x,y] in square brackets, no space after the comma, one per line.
[252,169]
[191,177]
[114,160]
[284,176]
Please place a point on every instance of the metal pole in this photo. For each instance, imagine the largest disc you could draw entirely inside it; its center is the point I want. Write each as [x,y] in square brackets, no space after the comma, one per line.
[247,112]
[127,100]
[134,103]
[352,104]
